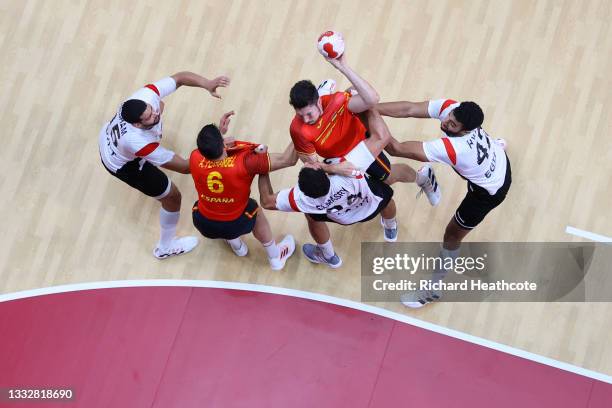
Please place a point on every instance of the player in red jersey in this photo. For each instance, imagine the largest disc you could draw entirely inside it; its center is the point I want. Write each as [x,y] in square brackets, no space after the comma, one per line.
[329,125]
[223,171]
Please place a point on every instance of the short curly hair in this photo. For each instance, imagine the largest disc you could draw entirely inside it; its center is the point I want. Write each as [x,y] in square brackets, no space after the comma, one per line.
[469,114]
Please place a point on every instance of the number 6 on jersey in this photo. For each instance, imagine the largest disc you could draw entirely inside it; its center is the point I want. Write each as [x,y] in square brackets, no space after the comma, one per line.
[214,182]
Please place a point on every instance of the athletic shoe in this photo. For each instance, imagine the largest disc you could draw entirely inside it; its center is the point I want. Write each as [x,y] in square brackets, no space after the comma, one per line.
[390,233]
[177,247]
[419,298]
[327,87]
[426,179]
[286,248]
[502,143]
[242,250]
[315,255]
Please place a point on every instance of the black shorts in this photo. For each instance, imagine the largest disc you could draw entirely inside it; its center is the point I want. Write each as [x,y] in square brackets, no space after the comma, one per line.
[379,189]
[381,168]
[149,180]
[478,202]
[226,229]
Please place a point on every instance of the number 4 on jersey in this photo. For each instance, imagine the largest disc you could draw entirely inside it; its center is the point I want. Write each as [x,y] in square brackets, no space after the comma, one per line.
[482,152]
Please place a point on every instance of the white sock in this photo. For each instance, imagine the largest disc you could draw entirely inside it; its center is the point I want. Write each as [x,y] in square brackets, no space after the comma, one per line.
[168,222]
[449,253]
[439,274]
[389,223]
[235,243]
[327,248]
[272,249]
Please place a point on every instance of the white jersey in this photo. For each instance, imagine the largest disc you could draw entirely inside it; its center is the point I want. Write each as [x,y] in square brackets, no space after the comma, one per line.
[120,142]
[348,201]
[475,156]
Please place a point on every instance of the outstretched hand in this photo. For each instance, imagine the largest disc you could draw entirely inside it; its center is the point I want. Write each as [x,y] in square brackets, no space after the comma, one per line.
[213,84]
[224,122]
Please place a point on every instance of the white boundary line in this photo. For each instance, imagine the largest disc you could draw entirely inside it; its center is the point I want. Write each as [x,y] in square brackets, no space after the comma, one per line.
[586,234]
[317,297]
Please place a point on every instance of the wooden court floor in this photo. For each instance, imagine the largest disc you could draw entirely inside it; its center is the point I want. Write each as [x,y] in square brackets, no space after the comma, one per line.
[539,69]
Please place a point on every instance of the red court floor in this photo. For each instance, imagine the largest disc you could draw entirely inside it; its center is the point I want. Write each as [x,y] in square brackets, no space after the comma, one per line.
[203,347]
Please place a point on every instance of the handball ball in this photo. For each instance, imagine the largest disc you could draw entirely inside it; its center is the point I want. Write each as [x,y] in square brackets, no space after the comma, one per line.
[331,44]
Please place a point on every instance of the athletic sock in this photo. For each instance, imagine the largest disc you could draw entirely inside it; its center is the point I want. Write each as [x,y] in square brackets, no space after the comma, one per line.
[272,249]
[168,222]
[389,223]
[235,243]
[449,253]
[440,273]
[327,248]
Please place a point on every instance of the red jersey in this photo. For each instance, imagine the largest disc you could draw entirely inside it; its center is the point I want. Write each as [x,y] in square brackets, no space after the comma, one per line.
[224,186]
[336,132]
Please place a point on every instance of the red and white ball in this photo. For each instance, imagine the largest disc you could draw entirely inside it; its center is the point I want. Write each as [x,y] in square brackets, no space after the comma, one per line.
[331,44]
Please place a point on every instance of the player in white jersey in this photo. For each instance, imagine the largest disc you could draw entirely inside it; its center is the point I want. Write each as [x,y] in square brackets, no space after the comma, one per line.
[338,198]
[469,150]
[130,150]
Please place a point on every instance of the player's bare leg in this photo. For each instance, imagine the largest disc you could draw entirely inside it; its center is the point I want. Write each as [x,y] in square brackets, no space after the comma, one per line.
[401,173]
[172,201]
[169,244]
[389,222]
[453,235]
[277,253]
[323,252]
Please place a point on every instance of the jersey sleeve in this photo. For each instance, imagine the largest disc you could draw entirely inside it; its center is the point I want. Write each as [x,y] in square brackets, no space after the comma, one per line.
[257,163]
[163,87]
[441,151]
[154,153]
[437,106]
[302,146]
[153,93]
[285,201]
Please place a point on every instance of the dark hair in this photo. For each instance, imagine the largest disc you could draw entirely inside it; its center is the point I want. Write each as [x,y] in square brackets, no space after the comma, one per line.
[302,94]
[210,142]
[314,183]
[132,109]
[469,114]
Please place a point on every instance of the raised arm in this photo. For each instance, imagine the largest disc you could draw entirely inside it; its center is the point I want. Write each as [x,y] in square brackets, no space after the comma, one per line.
[379,133]
[367,96]
[404,109]
[188,78]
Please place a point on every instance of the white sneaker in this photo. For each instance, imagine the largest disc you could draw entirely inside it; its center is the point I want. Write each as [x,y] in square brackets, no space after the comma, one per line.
[242,250]
[426,179]
[286,248]
[502,143]
[390,234]
[419,298]
[326,87]
[177,247]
